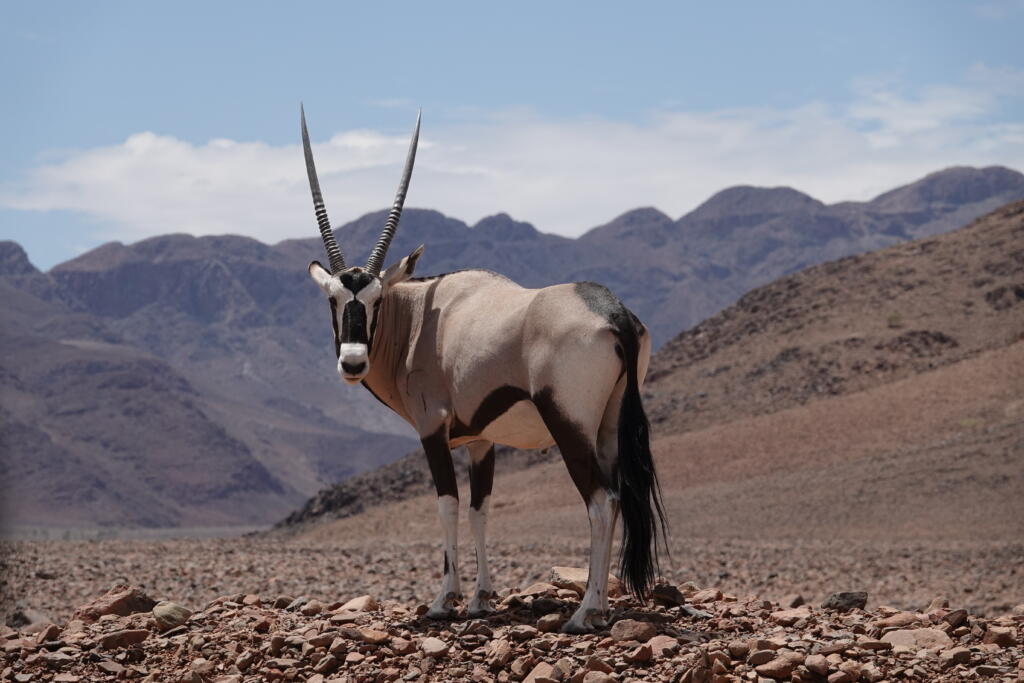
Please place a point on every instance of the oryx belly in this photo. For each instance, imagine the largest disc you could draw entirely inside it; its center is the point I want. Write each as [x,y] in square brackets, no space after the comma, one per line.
[520,427]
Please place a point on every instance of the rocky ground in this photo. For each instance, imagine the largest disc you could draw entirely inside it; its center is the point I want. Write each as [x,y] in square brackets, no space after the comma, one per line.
[685,634]
[274,609]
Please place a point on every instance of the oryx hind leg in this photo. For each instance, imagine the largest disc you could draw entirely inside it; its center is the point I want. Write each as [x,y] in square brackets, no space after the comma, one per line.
[578,444]
[439,457]
[481,478]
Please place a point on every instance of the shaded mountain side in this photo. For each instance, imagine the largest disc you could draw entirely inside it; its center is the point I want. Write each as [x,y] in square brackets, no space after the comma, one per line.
[97,431]
[846,326]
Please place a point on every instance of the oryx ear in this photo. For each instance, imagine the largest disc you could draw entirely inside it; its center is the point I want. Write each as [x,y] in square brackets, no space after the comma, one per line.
[403,269]
[321,276]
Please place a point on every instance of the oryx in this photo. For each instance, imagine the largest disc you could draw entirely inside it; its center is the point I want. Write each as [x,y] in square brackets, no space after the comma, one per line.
[471,358]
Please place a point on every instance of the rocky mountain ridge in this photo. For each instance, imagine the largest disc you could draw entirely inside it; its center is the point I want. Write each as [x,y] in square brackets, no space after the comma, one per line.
[227,335]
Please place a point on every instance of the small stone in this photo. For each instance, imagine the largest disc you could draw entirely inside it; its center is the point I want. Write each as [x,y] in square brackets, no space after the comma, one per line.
[57,660]
[817,664]
[109,667]
[499,653]
[311,608]
[203,667]
[354,657]
[522,632]
[639,655]
[364,603]
[631,629]
[956,618]
[170,615]
[792,600]
[667,595]
[549,623]
[542,670]
[840,677]
[706,595]
[759,657]
[595,663]
[119,639]
[373,636]
[598,677]
[401,646]
[988,670]
[953,656]
[870,644]
[1001,636]
[434,647]
[846,601]
[575,579]
[788,617]
[48,633]
[782,666]
[663,646]
[897,620]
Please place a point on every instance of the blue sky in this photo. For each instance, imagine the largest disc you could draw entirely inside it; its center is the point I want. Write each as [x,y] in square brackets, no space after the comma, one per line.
[125,120]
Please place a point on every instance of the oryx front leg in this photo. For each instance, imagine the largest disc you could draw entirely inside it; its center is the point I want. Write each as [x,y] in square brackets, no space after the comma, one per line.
[481,478]
[442,470]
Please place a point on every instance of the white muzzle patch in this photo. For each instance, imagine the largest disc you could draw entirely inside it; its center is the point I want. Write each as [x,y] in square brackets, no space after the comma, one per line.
[353,362]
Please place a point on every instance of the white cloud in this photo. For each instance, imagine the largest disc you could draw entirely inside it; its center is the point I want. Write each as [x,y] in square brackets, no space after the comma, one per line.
[565,176]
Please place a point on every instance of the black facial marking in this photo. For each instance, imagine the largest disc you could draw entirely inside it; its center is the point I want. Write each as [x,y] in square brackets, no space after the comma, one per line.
[481,478]
[373,323]
[439,457]
[334,324]
[577,451]
[355,280]
[490,409]
[353,324]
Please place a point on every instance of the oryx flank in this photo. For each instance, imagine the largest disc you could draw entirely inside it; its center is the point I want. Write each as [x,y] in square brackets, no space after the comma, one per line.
[471,358]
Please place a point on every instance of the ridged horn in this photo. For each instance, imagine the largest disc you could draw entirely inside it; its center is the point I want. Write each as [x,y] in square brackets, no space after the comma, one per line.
[333,250]
[376,259]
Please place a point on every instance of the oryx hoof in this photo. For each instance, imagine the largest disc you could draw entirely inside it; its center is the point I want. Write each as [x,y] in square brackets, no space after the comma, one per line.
[482,604]
[443,607]
[585,621]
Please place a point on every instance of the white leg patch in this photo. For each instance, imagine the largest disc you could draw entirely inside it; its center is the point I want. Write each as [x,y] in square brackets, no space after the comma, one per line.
[593,610]
[481,602]
[444,605]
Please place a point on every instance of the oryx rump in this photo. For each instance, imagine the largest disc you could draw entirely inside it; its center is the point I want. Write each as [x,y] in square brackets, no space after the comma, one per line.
[471,358]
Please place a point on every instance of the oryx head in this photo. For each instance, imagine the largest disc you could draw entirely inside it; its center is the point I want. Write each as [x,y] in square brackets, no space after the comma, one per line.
[356,292]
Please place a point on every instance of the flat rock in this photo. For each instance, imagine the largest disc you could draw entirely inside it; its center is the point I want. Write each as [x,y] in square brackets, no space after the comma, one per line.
[1001,636]
[918,638]
[663,646]
[631,629]
[788,617]
[364,603]
[126,638]
[121,600]
[897,620]
[782,666]
[433,647]
[575,579]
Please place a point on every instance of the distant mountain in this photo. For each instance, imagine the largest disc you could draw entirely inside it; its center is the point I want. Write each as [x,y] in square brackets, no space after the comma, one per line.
[238,340]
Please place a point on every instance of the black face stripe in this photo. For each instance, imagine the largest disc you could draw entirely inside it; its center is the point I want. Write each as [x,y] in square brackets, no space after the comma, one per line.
[355,280]
[353,323]
[334,324]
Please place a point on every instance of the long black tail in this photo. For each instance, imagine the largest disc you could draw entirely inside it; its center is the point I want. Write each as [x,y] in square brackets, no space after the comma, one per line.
[643,515]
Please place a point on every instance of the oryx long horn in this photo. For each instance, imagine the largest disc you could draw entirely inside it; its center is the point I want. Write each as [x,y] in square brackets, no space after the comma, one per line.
[333,250]
[376,259]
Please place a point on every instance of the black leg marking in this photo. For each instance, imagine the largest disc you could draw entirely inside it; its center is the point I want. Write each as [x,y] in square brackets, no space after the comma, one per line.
[577,451]
[439,457]
[481,478]
[445,570]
